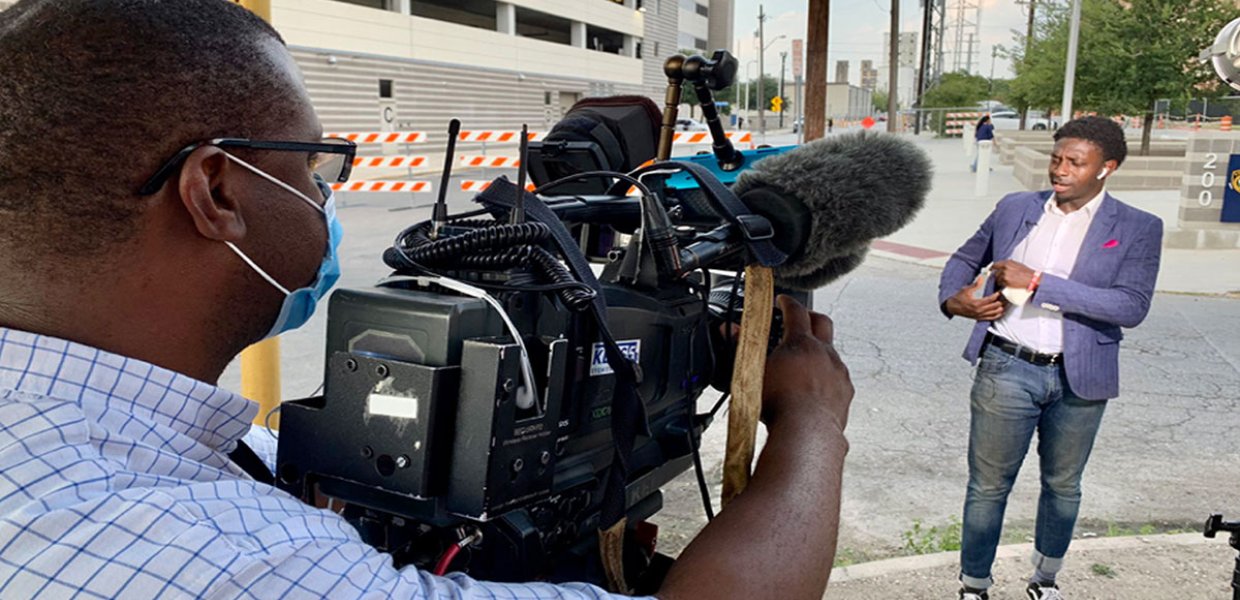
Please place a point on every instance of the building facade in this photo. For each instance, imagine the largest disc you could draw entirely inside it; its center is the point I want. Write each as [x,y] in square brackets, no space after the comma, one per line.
[844,101]
[869,75]
[396,65]
[907,50]
[841,71]
[906,71]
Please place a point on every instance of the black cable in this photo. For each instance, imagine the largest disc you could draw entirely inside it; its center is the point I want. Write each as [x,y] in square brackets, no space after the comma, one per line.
[701,475]
[550,287]
[595,175]
[718,405]
[736,286]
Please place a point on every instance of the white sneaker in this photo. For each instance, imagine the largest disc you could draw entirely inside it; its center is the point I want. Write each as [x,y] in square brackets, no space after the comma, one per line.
[1044,592]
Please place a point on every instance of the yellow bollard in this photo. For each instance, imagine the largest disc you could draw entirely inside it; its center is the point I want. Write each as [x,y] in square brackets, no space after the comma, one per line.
[260,379]
[260,363]
[261,8]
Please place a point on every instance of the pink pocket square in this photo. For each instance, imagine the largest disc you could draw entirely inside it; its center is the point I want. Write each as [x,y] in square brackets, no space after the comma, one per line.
[1111,244]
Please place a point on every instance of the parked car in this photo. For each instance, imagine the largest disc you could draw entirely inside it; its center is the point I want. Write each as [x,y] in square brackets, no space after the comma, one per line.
[1009,120]
[685,124]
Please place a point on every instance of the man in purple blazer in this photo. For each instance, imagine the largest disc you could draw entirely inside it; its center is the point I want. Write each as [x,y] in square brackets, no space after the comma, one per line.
[1068,269]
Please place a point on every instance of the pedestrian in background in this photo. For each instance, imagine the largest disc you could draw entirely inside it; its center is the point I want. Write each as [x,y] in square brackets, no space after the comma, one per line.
[985,132]
[1069,268]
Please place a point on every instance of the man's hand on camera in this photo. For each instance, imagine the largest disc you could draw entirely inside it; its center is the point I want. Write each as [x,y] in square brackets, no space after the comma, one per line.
[777,539]
[964,304]
[804,374]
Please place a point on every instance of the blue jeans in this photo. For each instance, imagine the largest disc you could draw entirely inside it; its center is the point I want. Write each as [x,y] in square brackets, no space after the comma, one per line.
[1011,399]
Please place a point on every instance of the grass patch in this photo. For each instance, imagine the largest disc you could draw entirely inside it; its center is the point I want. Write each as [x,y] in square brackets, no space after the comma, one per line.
[1128,528]
[846,557]
[1102,570]
[928,540]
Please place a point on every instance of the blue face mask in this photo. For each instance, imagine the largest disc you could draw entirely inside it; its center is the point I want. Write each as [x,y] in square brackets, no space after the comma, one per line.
[299,304]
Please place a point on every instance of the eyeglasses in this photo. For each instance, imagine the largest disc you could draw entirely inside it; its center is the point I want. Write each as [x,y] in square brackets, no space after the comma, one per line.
[331,159]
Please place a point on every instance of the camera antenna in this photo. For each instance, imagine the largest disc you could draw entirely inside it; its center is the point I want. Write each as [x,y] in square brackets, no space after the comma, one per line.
[439,215]
[518,208]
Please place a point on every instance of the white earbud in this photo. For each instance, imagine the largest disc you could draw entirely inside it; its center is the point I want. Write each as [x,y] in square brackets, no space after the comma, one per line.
[1103,173]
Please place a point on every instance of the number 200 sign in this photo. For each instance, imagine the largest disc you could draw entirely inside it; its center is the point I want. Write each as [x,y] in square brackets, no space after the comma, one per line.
[1206,198]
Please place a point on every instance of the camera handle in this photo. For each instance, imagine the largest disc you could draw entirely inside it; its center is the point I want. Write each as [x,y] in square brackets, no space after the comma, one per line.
[673,67]
[1216,524]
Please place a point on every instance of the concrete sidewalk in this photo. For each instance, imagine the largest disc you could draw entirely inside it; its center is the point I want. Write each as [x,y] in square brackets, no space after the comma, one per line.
[953,213]
[1187,566]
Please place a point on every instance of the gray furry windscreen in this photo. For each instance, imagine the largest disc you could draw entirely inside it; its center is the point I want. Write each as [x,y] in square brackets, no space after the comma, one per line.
[857,187]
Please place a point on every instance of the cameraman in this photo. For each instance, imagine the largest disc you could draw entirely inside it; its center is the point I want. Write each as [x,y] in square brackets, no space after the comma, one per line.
[139,257]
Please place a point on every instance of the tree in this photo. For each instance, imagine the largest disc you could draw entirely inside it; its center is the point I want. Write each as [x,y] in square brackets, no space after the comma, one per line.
[1149,51]
[1132,52]
[956,90]
[879,98]
[1039,74]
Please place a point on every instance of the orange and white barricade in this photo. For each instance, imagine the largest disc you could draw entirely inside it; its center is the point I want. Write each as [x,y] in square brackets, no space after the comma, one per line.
[489,162]
[415,187]
[498,137]
[703,137]
[1225,123]
[380,137]
[389,162]
[478,186]
[955,122]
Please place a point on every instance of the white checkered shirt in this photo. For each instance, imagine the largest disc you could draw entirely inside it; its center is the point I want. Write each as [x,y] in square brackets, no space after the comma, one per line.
[115,483]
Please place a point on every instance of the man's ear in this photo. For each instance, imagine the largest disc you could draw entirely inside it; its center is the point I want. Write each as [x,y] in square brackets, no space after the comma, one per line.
[214,206]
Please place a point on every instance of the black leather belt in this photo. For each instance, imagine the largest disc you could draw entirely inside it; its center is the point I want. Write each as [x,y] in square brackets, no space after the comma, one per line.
[1023,353]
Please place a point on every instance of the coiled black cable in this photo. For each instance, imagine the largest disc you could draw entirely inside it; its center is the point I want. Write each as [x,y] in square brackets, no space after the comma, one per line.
[414,247]
[552,270]
[490,246]
[488,238]
[517,256]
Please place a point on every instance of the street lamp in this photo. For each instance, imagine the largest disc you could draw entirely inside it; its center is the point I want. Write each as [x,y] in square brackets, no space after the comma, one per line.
[777,38]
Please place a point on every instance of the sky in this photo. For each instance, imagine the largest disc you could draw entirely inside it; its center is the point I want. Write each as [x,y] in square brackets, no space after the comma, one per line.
[856,32]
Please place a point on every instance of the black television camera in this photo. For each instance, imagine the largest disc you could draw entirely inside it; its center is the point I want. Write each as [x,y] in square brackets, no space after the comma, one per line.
[494,403]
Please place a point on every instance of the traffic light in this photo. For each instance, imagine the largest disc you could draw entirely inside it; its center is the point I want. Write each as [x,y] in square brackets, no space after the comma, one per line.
[777,104]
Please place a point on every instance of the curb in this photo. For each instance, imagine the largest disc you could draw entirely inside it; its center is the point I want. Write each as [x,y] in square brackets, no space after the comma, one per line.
[904,564]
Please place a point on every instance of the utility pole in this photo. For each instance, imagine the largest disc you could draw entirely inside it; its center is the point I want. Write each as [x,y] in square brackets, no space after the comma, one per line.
[893,72]
[990,88]
[922,65]
[783,66]
[761,68]
[1069,74]
[816,69]
[1024,114]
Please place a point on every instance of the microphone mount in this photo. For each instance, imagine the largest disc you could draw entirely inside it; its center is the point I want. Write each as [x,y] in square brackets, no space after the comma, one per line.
[706,75]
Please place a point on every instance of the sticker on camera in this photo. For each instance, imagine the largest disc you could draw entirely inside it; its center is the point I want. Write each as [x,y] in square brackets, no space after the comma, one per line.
[631,349]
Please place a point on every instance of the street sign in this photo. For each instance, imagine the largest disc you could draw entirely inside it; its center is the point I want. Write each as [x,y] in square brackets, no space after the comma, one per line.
[798,58]
[867,122]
